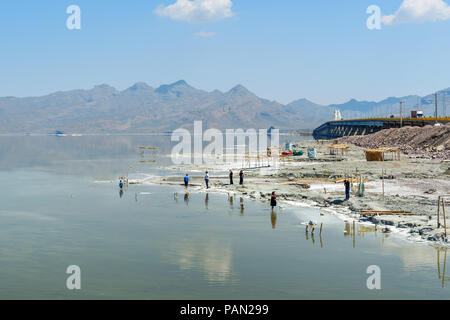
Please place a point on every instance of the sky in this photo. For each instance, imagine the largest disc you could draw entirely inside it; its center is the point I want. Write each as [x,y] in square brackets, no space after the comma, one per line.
[321,50]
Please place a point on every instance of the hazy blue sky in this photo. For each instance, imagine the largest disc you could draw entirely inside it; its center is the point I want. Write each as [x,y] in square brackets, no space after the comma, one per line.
[280,50]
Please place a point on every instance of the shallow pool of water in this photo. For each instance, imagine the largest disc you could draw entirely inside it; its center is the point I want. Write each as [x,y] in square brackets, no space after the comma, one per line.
[61,206]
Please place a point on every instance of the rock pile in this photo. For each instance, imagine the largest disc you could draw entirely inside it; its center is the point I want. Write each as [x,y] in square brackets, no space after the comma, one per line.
[428,142]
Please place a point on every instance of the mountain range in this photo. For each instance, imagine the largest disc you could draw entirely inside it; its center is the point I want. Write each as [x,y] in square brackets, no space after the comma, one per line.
[143,109]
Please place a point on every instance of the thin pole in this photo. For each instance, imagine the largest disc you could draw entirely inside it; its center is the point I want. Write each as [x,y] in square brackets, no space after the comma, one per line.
[436,106]
[354,234]
[445,218]
[401,114]
[443,272]
[444,103]
[439,212]
[439,262]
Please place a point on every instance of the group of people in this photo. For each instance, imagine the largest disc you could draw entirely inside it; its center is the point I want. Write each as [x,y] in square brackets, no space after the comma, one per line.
[241,179]
[273,198]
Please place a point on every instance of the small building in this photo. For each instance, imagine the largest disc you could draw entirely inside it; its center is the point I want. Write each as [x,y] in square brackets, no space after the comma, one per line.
[416,114]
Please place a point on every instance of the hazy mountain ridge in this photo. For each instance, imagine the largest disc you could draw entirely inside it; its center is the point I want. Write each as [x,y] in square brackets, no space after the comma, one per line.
[142,108]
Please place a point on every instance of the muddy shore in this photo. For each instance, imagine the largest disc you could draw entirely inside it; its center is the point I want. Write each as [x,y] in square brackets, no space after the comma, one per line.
[411,185]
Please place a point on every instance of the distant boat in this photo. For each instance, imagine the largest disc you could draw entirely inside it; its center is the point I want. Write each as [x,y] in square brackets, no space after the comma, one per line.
[59,133]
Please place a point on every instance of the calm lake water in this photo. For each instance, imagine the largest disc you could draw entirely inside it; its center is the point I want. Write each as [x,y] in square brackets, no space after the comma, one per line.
[58,208]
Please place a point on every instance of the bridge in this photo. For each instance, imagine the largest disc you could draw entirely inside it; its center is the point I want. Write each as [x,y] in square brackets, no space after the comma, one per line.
[361,127]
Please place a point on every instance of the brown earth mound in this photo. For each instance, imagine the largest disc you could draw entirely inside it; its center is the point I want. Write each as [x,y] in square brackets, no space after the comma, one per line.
[427,142]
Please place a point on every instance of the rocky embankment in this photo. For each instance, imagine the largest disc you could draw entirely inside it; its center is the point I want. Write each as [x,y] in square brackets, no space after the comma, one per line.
[429,142]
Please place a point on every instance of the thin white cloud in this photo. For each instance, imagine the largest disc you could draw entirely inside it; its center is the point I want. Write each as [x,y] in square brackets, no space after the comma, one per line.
[419,11]
[197,11]
[204,34]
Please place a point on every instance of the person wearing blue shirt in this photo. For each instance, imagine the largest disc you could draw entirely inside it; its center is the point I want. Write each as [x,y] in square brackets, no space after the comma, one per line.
[207,180]
[186,181]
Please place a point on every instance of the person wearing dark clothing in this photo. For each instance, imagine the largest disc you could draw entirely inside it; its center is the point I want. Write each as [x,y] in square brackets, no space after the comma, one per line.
[186,181]
[347,189]
[231,176]
[273,200]
[241,177]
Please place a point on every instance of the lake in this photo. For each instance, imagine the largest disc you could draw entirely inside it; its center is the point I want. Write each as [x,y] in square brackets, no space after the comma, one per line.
[61,206]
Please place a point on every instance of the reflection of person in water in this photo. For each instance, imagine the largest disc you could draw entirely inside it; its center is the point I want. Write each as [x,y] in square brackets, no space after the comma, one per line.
[121,193]
[347,230]
[242,206]
[207,201]
[273,219]
[230,199]
[186,198]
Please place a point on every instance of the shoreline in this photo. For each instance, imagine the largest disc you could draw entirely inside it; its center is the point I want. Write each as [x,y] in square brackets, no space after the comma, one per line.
[411,185]
[342,213]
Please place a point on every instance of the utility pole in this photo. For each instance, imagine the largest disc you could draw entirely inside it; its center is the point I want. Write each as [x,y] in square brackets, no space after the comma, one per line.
[444,103]
[401,114]
[436,106]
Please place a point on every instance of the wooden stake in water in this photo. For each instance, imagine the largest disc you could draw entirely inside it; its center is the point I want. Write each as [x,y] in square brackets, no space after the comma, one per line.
[439,263]
[354,234]
[439,212]
[443,272]
[445,218]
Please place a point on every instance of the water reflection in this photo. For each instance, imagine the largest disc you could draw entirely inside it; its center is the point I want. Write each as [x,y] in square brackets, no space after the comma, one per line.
[442,258]
[273,219]
[74,155]
[186,198]
[213,258]
[207,201]
[355,231]
[230,201]
[242,206]
[313,238]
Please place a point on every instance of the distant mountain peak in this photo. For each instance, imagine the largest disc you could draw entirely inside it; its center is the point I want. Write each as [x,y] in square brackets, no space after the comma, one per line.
[304,100]
[103,86]
[139,86]
[166,88]
[179,83]
[239,88]
[104,89]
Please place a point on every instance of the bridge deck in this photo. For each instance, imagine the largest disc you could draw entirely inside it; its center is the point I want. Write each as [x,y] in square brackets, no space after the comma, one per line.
[357,127]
